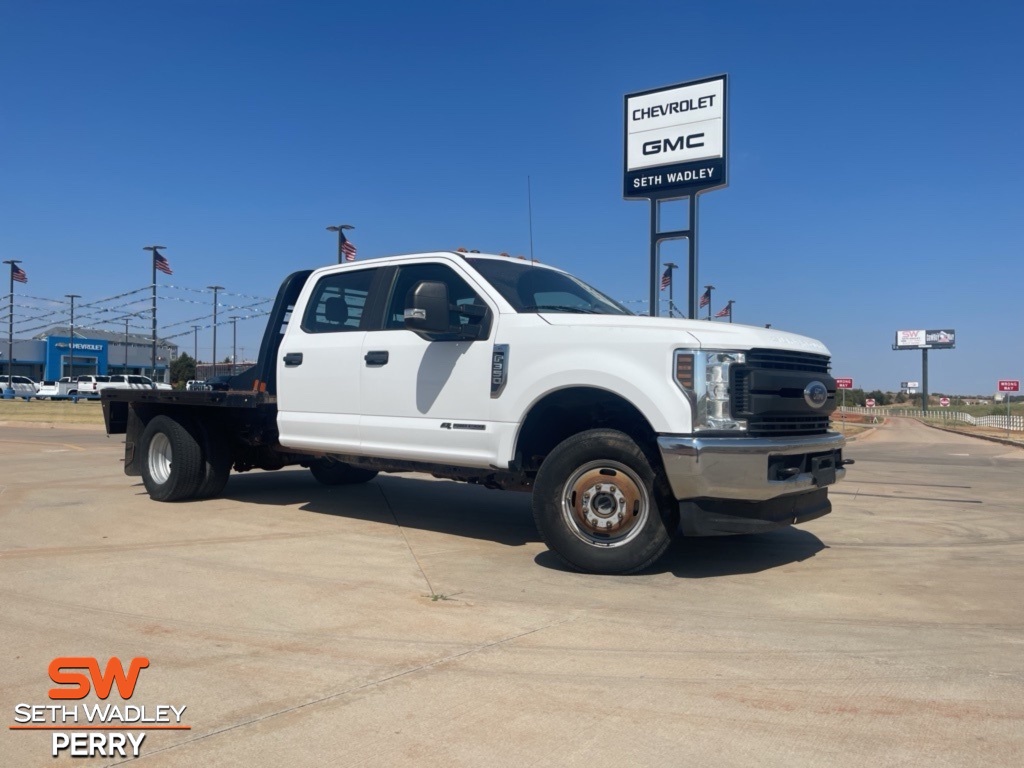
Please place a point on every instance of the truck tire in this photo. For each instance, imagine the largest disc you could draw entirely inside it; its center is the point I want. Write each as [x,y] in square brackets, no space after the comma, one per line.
[331,472]
[602,505]
[217,462]
[172,460]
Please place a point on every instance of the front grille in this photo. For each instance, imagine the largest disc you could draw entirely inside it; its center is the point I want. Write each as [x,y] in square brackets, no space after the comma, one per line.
[773,403]
[789,426]
[740,390]
[788,361]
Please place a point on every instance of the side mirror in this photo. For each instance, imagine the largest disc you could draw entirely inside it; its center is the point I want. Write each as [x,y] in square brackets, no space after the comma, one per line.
[429,312]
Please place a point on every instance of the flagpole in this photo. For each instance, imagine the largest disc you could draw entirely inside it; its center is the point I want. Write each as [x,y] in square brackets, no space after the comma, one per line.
[10,325]
[340,229]
[156,252]
[709,289]
[671,272]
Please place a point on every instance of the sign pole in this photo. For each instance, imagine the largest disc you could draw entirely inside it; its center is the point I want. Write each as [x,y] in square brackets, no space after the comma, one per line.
[670,153]
[655,243]
[1007,414]
[692,253]
[924,380]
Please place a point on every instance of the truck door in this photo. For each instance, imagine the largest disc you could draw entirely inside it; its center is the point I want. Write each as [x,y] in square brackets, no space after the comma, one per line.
[319,364]
[428,400]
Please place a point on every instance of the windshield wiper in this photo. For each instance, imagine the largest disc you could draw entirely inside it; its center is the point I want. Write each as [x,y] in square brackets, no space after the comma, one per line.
[560,308]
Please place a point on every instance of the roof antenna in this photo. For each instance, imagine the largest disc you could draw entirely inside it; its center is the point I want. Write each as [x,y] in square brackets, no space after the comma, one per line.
[529,208]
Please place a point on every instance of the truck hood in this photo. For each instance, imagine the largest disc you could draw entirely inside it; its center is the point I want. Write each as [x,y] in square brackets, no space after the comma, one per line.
[708,334]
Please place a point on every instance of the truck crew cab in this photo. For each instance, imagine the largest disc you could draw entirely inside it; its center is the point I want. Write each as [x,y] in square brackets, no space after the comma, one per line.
[519,376]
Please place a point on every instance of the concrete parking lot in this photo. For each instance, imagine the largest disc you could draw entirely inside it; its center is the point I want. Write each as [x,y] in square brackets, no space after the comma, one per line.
[413,622]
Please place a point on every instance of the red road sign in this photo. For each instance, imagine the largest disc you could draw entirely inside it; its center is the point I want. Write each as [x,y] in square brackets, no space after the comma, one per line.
[844,383]
[944,401]
[870,402]
[1009,385]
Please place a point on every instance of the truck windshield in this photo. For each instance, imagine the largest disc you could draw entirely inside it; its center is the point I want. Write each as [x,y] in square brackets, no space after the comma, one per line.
[529,288]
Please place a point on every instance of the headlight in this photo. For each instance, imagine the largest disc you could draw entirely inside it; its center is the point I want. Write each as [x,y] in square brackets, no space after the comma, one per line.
[704,376]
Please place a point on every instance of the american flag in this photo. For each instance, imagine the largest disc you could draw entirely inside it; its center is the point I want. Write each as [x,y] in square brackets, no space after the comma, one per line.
[666,279]
[348,250]
[161,263]
[705,298]
[18,274]
[725,311]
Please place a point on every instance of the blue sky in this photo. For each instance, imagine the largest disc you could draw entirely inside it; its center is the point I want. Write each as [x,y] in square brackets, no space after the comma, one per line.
[875,171]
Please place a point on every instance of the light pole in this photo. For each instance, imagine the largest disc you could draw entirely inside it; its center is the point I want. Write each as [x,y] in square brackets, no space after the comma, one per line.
[195,343]
[215,289]
[126,346]
[155,249]
[10,324]
[342,240]
[71,336]
[234,344]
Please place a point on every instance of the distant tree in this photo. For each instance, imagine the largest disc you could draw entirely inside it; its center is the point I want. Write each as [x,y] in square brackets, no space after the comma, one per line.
[901,397]
[183,368]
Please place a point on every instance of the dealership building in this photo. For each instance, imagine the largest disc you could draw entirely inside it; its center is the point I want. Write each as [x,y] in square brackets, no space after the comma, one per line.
[49,356]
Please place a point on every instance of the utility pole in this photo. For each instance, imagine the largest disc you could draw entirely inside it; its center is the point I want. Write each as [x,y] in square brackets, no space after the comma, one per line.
[234,344]
[215,289]
[71,336]
[10,324]
[195,343]
[155,252]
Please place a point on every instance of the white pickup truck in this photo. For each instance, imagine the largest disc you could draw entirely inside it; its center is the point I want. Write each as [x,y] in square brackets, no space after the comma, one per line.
[120,381]
[517,376]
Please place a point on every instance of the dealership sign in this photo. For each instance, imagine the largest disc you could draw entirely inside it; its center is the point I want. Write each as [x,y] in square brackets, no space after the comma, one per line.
[936,339]
[675,139]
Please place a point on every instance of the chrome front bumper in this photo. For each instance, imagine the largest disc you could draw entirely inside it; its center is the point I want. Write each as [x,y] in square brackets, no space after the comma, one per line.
[738,467]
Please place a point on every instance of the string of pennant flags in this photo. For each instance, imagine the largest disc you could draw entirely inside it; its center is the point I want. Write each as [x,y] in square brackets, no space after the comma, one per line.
[32,314]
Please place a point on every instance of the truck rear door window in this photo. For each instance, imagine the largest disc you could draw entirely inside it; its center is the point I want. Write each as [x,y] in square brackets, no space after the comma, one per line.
[338,301]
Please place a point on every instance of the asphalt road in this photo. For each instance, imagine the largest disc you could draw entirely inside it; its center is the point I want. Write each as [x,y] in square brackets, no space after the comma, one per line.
[413,622]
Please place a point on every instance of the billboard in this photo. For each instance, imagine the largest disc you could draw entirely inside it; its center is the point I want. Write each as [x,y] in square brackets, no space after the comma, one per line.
[944,338]
[909,384]
[675,139]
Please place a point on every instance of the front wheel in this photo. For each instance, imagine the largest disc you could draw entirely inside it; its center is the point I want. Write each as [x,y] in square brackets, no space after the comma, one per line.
[601,506]
[172,460]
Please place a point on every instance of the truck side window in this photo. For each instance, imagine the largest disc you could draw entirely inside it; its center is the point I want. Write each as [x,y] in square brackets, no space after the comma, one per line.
[337,302]
[467,306]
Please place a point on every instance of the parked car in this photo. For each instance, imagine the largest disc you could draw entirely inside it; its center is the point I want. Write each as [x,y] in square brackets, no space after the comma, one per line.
[120,381]
[61,388]
[23,386]
[90,386]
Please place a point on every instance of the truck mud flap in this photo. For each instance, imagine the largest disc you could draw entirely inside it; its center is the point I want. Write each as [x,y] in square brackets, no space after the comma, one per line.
[717,517]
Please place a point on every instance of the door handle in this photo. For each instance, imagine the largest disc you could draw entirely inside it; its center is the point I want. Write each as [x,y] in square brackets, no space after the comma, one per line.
[293,358]
[377,357]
